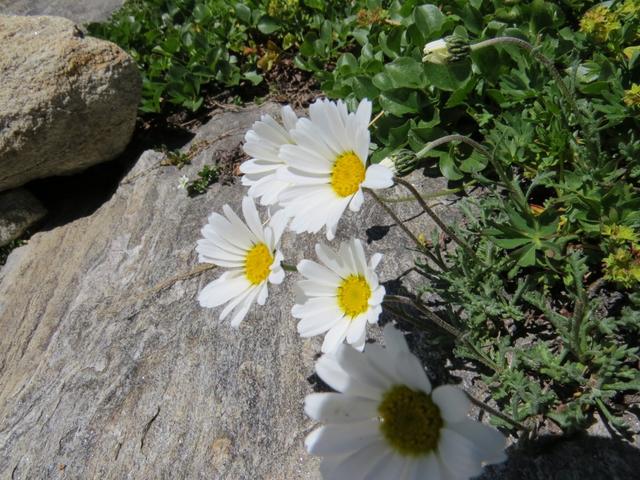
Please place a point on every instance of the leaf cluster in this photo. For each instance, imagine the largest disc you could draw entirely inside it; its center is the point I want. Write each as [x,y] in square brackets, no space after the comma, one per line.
[186,48]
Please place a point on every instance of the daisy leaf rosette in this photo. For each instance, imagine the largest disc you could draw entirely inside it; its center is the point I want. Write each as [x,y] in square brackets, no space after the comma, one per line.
[327,166]
[249,252]
[262,144]
[385,421]
[339,296]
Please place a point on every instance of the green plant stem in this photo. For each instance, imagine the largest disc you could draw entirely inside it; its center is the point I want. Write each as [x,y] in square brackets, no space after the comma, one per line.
[549,65]
[436,219]
[429,196]
[404,228]
[502,174]
[288,268]
[426,312]
[496,413]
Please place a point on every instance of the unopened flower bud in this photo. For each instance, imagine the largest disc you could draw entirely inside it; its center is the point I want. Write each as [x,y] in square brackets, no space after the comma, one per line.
[402,163]
[446,50]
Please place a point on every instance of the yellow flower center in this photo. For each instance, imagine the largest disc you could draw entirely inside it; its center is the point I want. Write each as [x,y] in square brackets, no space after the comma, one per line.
[353,295]
[347,174]
[410,421]
[257,263]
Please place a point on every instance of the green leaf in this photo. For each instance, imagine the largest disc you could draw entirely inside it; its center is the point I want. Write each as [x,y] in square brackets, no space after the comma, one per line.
[447,77]
[406,72]
[399,102]
[268,25]
[448,167]
[429,20]
[254,77]
[243,13]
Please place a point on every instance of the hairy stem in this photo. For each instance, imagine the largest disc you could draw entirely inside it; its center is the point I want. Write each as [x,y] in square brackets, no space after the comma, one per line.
[435,217]
[404,228]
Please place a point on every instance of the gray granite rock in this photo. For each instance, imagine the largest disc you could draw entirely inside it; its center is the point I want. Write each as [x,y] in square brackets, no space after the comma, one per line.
[110,369]
[84,11]
[66,101]
[18,211]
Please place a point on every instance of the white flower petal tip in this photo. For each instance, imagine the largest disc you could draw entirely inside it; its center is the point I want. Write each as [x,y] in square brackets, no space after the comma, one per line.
[385,422]
[327,166]
[338,296]
[249,253]
[262,143]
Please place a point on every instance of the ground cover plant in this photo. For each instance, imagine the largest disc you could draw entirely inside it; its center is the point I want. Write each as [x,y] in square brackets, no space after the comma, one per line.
[529,108]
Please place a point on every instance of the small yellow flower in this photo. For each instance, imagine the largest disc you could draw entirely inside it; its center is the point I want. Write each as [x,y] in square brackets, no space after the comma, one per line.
[599,22]
[632,96]
[630,8]
[623,266]
[620,233]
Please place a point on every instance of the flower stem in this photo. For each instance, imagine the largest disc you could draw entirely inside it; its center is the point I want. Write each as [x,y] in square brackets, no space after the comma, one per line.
[496,413]
[426,312]
[435,217]
[410,234]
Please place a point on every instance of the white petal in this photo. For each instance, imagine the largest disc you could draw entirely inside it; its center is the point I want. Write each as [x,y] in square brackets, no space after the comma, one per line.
[489,441]
[375,260]
[452,401]
[394,340]
[357,365]
[222,290]
[331,373]
[360,463]
[311,288]
[410,370]
[458,454]
[336,439]
[428,467]
[331,259]
[251,217]
[335,336]
[318,273]
[378,176]
[356,201]
[263,294]
[357,329]
[339,408]
[390,467]
[318,323]
[242,311]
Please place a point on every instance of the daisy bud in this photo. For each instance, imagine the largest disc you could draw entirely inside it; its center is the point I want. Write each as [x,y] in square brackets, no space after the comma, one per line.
[446,50]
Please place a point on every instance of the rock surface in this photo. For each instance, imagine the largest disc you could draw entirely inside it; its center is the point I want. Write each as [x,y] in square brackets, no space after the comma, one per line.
[110,369]
[66,101]
[81,12]
[18,211]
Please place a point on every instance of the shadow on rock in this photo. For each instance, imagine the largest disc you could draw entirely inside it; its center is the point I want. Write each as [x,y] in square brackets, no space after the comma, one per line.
[568,458]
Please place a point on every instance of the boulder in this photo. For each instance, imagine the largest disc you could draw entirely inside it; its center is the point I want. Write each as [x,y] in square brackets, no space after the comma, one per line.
[18,211]
[67,101]
[80,12]
[109,368]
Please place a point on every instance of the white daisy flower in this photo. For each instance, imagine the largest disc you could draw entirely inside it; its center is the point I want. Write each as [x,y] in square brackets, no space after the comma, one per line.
[387,422]
[263,144]
[249,252]
[326,166]
[340,296]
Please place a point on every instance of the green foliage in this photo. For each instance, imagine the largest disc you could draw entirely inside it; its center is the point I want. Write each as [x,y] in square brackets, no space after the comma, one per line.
[548,301]
[186,47]
[206,176]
